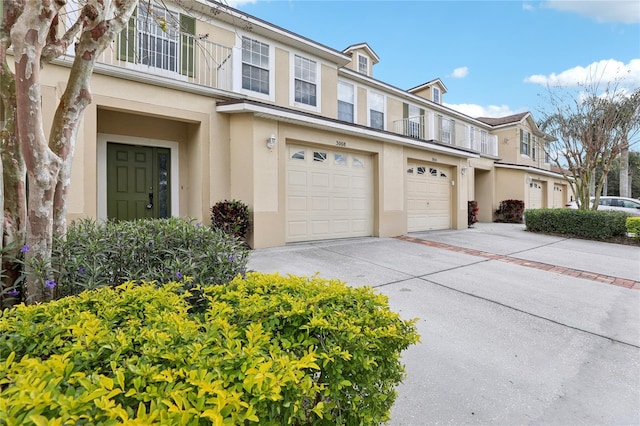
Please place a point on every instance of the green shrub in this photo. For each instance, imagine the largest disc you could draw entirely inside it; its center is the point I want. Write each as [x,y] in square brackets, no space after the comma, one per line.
[232,217]
[592,224]
[268,350]
[510,211]
[633,226]
[97,254]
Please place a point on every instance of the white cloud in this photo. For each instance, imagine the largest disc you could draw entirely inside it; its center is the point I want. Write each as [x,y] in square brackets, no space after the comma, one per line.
[626,11]
[474,110]
[528,7]
[604,71]
[460,72]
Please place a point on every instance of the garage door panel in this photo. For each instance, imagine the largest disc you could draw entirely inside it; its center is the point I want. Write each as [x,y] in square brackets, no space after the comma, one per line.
[360,182]
[297,228]
[297,203]
[297,178]
[320,227]
[320,180]
[341,181]
[338,193]
[341,226]
[341,203]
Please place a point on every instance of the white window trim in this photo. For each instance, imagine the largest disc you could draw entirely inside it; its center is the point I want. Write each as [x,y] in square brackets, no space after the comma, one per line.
[384,109]
[355,99]
[526,132]
[237,72]
[101,168]
[358,56]
[292,83]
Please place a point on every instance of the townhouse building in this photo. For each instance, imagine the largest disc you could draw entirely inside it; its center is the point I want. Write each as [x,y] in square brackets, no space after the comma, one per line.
[193,107]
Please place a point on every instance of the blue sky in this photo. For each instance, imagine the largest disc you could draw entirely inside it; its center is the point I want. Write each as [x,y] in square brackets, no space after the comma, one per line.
[495,57]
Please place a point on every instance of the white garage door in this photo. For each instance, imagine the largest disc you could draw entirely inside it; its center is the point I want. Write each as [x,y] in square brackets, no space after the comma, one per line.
[428,197]
[558,196]
[535,195]
[329,194]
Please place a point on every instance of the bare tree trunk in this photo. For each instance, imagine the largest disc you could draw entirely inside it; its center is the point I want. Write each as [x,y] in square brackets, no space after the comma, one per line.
[13,186]
[625,184]
[28,39]
[96,35]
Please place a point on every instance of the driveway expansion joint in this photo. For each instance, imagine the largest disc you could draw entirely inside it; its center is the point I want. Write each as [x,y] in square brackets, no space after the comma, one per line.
[606,279]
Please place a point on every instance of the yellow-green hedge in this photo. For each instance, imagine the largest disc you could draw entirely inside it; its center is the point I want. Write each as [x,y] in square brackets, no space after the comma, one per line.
[633,226]
[267,350]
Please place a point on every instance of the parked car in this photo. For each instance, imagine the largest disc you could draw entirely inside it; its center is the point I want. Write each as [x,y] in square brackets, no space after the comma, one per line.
[623,204]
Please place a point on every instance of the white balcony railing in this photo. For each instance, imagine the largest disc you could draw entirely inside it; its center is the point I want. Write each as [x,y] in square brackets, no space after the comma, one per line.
[173,54]
[448,131]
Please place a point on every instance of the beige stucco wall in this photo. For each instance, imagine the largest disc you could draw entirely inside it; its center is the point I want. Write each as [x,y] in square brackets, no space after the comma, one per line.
[483,189]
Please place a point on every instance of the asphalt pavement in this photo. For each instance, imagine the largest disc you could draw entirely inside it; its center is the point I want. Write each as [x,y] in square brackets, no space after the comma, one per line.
[517,328]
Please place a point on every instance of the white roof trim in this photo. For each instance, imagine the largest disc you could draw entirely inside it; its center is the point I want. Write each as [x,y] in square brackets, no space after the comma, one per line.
[272,113]
[417,99]
[530,170]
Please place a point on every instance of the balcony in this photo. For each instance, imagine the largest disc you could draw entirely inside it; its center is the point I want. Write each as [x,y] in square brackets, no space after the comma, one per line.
[447,131]
[143,46]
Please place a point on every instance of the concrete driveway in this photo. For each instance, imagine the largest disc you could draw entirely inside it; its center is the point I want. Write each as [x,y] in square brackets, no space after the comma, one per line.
[517,328]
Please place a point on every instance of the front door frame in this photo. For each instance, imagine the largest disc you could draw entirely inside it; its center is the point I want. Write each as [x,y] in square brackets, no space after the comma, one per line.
[101,169]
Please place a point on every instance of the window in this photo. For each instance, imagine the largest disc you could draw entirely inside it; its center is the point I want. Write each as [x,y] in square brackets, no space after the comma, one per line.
[297,155]
[446,130]
[345,102]
[357,162]
[525,138]
[340,159]
[547,158]
[533,148]
[158,36]
[305,81]
[319,156]
[436,95]
[413,119]
[363,65]
[376,110]
[484,141]
[255,65]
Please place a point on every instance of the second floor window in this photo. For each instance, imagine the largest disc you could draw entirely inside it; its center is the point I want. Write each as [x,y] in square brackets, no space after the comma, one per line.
[305,81]
[157,46]
[534,148]
[547,157]
[446,130]
[376,110]
[484,141]
[345,102]
[525,140]
[160,39]
[255,65]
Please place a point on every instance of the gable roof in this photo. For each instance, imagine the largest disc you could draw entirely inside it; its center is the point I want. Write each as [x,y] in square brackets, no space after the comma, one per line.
[500,121]
[428,84]
[366,48]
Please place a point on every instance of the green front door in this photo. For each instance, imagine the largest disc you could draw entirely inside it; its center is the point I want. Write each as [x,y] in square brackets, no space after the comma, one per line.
[138,182]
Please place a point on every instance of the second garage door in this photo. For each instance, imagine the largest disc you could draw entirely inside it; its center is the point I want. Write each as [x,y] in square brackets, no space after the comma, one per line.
[329,194]
[428,197]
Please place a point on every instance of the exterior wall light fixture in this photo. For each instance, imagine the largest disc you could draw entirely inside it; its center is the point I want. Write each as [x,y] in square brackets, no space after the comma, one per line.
[271,142]
[463,171]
